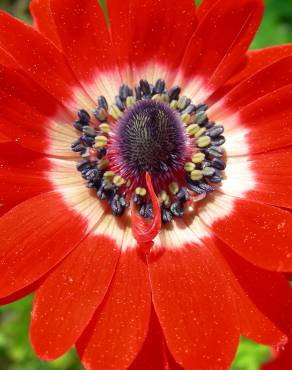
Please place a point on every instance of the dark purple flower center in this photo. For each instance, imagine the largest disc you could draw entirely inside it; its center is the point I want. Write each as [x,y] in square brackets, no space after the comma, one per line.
[151,130]
[150,138]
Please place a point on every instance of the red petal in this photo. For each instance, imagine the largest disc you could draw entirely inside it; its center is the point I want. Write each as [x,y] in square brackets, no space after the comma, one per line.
[29,112]
[219,44]
[43,21]
[268,122]
[142,31]
[3,138]
[282,360]
[271,176]
[259,59]
[154,354]
[84,36]
[46,65]
[194,306]
[143,231]
[22,292]
[258,232]
[204,8]
[263,297]
[35,236]
[73,292]
[255,87]
[18,184]
[116,334]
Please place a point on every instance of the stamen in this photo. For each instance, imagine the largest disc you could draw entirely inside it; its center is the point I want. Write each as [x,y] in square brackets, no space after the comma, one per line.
[151,146]
[143,231]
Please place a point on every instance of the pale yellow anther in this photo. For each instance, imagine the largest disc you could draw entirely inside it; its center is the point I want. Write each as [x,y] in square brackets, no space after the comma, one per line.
[100,141]
[203,141]
[200,132]
[192,129]
[108,175]
[103,164]
[198,157]
[196,175]
[182,101]
[189,166]
[115,112]
[118,180]
[173,104]
[200,117]
[173,187]
[105,128]
[164,198]
[185,117]
[131,100]
[157,97]
[165,98]
[141,191]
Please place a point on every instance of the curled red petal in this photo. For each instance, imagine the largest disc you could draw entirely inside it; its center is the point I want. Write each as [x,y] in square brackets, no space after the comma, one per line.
[143,231]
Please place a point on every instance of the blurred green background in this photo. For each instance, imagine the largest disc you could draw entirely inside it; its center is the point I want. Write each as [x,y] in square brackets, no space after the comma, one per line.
[15,351]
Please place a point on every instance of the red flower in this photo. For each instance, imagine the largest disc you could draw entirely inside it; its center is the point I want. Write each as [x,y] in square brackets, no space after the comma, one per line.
[146,274]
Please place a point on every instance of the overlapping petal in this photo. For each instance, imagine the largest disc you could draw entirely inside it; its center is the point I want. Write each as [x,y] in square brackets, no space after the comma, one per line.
[218,45]
[191,279]
[119,328]
[79,284]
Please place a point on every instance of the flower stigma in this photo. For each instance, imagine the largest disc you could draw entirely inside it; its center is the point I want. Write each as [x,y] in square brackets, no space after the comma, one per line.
[150,131]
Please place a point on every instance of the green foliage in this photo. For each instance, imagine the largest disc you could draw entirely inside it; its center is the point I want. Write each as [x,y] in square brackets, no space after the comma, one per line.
[15,350]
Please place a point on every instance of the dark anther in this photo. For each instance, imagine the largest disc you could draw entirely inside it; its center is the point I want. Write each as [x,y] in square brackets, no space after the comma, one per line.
[189,109]
[124,202]
[159,86]
[215,179]
[194,185]
[100,114]
[202,119]
[219,164]
[183,194]
[89,131]
[146,210]
[205,164]
[206,187]
[117,208]
[145,87]
[119,103]
[220,140]
[82,165]
[209,124]
[84,117]
[138,93]
[215,151]
[185,103]
[124,92]
[177,209]
[215,131]
[101,193]
[78,148]
[93,175]
[75,143]
[101,153]
[78,125]
[166,215]
[202,108]
[174,92]
[137,199]
[102,102]
[87,140]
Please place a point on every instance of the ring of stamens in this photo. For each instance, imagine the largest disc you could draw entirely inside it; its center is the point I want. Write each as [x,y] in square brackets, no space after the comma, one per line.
[192,168]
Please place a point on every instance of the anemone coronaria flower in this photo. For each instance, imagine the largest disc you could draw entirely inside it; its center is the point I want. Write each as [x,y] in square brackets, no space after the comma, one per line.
[146,181]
